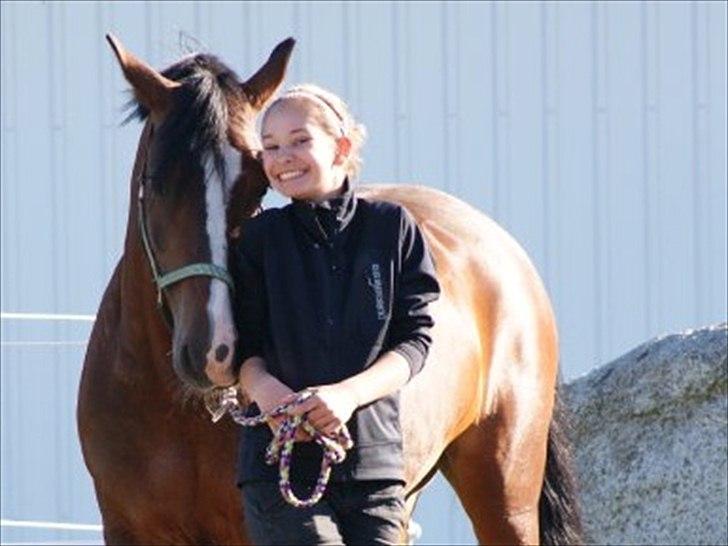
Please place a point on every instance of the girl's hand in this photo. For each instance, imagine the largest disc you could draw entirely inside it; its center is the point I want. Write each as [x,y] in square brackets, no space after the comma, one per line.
[270,394]
[329,408]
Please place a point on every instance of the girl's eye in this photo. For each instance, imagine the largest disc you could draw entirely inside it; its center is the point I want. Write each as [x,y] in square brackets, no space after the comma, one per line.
[270,147]
[302,140]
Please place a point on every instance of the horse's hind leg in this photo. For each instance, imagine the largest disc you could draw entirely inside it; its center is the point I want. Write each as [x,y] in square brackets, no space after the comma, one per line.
[496,468]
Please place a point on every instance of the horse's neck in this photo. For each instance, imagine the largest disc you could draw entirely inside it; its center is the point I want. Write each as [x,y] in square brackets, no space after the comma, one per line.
[142,321]
[141,327]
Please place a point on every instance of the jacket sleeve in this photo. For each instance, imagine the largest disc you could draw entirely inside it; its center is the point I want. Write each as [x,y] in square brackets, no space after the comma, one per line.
[251,309]
[415,287]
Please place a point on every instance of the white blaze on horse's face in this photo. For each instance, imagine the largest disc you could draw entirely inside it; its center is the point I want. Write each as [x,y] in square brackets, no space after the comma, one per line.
[219,307]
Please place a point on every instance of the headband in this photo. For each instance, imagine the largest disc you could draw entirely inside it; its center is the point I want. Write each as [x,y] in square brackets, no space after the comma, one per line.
[321,100]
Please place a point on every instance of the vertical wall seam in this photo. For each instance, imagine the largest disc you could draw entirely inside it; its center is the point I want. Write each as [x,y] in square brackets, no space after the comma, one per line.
[196,19]
[646,173]
[217,19]
[54,126]
[16,414]
[309,33]
[606,186]
[697,182]
[457,94]
[9,375]
[113,78]
[358,54]
[406,83]
[395,90]
[55,379]
[708,159]
[162,46]
[148,32]
[61,236]
[507,192]
[658,166]
[496,113]
[595,189]
[296,20]
[62,85]
[103,181]
[64,150]
[14,405]
[557,130]
[345,47]
[545,146]
[16,140]
[444,75]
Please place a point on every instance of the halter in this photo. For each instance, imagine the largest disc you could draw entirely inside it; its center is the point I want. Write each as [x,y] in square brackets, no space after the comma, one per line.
[164,280]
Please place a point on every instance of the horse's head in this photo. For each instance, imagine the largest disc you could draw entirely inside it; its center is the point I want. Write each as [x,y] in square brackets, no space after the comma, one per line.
[195,163]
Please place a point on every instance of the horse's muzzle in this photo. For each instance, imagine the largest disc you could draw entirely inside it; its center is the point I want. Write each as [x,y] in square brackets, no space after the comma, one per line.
[184,362]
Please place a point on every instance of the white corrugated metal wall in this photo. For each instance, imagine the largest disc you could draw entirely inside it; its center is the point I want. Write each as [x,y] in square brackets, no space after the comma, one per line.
[594,132]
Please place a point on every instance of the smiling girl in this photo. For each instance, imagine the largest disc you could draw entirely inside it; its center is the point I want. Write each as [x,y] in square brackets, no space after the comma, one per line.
[333,294]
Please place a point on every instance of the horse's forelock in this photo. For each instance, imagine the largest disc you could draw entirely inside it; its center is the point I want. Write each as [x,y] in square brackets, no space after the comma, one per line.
[196,126]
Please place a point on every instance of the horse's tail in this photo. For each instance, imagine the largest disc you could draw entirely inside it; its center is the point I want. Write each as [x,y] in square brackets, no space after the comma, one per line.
[559,513]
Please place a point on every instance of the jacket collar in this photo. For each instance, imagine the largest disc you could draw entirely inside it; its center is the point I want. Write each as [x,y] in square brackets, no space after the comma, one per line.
[326,219]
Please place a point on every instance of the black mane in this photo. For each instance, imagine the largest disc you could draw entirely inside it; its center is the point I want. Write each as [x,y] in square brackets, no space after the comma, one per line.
[198,120]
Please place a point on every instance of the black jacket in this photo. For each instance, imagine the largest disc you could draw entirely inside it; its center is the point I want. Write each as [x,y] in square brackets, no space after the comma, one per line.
[322,291]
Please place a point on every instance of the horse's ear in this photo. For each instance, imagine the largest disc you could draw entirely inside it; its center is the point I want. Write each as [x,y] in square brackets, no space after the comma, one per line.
[151,89]
[261,86]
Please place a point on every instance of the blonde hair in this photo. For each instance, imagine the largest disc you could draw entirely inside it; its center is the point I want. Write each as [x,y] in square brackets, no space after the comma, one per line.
[335,118]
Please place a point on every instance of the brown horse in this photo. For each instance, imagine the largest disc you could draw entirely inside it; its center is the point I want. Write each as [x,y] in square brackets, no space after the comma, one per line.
[162,472]
[481,411]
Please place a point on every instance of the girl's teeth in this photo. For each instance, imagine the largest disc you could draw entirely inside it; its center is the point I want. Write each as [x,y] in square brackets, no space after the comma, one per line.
[289,175]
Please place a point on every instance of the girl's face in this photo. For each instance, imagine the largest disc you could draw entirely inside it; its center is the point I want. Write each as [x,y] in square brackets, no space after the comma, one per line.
[301,159]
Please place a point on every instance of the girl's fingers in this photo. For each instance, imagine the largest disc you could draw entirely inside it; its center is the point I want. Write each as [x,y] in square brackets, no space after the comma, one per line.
[317,415]
[303,436]
[273,423]
[326,424]
[306,406]
[331,428]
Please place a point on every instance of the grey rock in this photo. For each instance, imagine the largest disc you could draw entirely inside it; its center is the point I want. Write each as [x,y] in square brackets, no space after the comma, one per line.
[650,435]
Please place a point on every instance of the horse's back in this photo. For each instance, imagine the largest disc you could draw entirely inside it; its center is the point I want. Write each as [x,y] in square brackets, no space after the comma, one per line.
[476,259]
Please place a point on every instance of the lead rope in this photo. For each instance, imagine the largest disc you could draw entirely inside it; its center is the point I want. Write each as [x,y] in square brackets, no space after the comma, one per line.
[222,401]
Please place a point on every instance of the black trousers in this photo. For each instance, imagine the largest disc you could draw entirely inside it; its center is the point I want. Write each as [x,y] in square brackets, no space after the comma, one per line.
[357,512]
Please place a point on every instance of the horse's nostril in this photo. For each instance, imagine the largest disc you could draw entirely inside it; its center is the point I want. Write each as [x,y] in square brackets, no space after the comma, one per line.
[186,358]
[221,352]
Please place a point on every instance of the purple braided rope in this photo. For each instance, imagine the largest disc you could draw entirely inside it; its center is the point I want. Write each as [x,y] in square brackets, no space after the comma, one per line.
[281,446]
